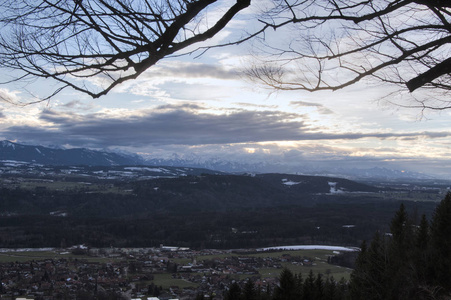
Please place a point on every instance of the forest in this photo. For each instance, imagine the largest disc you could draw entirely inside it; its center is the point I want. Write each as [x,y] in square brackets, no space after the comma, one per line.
[412,262]
[209,211]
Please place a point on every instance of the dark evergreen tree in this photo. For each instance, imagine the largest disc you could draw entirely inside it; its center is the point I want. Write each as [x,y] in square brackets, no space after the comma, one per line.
[249,292]
[287,289]
[368,280]
[422,234]
[342,289]
[308,290]
[421,257]
[330,289]
[319,287]
[234,292]
[414,263]
[401,282]
[299,285]
[440,246]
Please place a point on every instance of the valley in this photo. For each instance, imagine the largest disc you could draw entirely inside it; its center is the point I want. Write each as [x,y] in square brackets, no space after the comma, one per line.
[98,231]
[141,206]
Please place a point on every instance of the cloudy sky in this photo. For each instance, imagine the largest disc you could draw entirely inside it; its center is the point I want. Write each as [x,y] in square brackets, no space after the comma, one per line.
[205,107]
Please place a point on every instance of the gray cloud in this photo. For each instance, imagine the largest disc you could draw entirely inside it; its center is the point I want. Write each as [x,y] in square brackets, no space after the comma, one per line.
[321,109]
[191,70]
[256,105]
[76,105]
[166,125]
[182,125]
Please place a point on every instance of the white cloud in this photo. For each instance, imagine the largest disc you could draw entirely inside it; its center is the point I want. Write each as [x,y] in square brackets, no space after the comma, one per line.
[9,96]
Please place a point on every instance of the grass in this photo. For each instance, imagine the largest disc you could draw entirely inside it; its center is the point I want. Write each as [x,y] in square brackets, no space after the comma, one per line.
[165,280]
[319,258]
[319,265]
[182,261]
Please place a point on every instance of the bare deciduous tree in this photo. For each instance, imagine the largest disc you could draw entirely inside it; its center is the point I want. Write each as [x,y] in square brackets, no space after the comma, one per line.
[78,42]
[95,45]
[336,43]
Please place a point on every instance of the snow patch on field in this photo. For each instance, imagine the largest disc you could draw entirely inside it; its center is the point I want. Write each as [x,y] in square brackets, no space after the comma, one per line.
[312,247]
[333,188]
[289,182]
[146,169]
[3,250]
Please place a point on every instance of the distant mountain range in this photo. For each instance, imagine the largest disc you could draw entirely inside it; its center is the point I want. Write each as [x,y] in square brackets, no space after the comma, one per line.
[86,157]
[294,168]
[59,156]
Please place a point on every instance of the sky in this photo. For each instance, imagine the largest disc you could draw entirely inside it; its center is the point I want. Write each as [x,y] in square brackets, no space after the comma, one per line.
[205,107]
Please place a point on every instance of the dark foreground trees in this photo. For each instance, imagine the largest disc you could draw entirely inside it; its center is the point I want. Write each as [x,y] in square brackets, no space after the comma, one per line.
[291,287]
[412,262]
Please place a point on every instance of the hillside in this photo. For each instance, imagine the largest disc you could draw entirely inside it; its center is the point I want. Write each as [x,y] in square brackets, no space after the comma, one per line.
[140,206]
[203,210]
[169,192]
[77,156]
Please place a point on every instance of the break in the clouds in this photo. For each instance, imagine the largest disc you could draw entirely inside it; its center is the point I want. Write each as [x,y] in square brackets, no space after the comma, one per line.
[182,125]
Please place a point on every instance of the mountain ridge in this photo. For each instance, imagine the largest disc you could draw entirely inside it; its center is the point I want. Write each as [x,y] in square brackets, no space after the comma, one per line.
[58,156]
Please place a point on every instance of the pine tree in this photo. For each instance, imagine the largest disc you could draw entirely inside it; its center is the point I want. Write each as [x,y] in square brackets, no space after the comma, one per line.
[422,234]
[368,280]
[234,292]
[287,286]
[401,233]
[420,254]
[249,292]
[401,281]
[412,264]
[440,245]
[319,287]
[308,290]
[342,289]
[330,288]
[299,285]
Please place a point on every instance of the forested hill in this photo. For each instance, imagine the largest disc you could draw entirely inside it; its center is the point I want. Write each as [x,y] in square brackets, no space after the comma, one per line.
[207,192]
[225,192]
[207,210]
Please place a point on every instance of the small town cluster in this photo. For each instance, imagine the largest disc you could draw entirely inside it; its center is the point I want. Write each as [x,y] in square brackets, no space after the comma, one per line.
[128,273]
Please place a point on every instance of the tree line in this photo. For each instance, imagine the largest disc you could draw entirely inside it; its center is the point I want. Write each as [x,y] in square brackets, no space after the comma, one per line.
[413,261]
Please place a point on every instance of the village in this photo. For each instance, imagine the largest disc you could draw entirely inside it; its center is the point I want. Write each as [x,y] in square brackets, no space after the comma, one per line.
[129,273]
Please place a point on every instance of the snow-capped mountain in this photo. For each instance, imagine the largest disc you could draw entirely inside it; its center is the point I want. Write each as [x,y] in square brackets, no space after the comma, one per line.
[82,156]
[60,156]
[292,168]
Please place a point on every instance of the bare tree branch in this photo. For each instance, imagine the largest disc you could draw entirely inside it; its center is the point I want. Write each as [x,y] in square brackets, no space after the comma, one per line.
[76,41]
[404,42]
